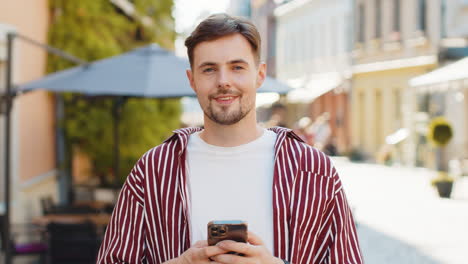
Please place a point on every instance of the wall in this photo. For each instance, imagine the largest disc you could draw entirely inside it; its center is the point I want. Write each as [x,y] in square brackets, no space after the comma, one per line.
[33,143]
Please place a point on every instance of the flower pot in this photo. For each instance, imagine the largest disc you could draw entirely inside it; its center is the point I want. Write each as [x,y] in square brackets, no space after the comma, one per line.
[444,188]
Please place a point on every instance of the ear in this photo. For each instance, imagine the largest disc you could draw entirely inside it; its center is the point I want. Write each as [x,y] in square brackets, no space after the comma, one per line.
[261,75]
[190,78]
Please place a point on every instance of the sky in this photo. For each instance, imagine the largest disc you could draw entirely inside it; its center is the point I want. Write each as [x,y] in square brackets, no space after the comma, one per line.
[186,12]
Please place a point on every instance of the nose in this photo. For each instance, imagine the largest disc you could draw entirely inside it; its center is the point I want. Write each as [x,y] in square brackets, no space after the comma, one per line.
[224,78]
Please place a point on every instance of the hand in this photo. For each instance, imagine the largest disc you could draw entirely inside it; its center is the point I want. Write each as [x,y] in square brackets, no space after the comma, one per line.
[254,252]
[199,253]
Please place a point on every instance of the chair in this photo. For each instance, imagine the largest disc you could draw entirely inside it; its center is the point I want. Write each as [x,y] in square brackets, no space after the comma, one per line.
[72,243]
[22,249]
[47,205]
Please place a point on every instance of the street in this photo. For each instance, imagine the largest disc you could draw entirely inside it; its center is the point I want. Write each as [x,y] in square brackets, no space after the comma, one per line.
[400,217]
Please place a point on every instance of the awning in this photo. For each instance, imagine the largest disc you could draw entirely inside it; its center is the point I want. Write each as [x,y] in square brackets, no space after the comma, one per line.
[307,90]
[453,72]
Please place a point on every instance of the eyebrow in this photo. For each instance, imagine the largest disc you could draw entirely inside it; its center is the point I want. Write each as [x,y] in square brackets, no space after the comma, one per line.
[209,63]
[237,61]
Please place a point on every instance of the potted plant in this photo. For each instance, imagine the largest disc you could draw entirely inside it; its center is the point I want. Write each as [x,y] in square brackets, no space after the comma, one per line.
[440,133]
[443,183]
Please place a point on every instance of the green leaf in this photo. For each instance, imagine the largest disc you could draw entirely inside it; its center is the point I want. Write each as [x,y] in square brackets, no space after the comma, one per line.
[93,30]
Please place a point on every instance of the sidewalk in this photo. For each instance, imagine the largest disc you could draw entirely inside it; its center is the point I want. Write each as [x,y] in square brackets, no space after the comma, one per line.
[400,217]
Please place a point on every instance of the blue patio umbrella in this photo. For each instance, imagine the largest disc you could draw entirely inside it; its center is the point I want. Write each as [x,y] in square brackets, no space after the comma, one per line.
[149,71]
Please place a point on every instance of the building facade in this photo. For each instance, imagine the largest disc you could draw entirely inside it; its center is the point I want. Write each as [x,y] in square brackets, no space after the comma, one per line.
[313,55]
[394,41]
[444,92]
[33,170]
[262,16]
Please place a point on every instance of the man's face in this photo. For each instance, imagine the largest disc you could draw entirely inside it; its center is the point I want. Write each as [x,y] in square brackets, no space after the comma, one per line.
[225,77]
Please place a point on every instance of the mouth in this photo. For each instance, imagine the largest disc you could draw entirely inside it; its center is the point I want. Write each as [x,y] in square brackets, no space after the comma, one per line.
[225,99]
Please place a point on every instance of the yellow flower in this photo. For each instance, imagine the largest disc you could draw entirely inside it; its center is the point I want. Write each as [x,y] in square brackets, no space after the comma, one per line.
[440,132]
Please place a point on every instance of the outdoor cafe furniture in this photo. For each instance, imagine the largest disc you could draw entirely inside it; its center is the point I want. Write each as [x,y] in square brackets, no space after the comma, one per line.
[98,206]
[100,220]
[81,207]
[72,243]
[49,207]
[24,248]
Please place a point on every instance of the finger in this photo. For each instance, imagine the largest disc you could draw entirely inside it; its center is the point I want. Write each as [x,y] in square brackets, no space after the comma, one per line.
[230,259]
[239,247]
[211,251]
[254,239]
[200,244]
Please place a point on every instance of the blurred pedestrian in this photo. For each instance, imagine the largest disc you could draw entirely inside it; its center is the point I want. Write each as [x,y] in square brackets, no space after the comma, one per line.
[322,131]
[303,129]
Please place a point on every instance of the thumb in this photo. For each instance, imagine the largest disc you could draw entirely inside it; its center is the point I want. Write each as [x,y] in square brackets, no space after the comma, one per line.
[254,239]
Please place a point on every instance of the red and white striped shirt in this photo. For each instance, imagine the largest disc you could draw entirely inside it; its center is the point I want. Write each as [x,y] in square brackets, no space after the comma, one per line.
[311,217]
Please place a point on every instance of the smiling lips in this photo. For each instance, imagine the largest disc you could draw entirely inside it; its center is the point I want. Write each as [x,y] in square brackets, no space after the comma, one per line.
[225,99]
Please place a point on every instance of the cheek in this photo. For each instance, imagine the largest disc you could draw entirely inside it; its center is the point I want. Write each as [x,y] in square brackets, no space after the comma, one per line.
[247,83]
[203,86]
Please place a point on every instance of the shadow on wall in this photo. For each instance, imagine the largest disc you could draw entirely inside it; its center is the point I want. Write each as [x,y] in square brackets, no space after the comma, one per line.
[379,248]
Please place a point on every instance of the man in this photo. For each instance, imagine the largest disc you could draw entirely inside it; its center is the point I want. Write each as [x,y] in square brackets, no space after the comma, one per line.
[288,192]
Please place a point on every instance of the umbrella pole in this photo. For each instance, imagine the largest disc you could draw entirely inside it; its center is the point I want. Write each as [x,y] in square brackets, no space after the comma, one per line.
[8,106]
[119,102]
[116,117]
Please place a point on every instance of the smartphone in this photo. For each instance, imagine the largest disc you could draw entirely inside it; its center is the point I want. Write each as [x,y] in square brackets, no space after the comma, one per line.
[235,230]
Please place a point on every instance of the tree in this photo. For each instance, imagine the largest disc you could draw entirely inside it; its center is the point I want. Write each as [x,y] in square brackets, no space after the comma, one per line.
[93,30]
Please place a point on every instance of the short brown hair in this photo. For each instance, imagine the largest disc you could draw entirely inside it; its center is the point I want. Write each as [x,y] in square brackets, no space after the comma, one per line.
[220,25]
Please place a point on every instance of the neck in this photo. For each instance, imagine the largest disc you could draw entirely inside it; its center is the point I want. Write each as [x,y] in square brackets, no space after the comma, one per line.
[242,132]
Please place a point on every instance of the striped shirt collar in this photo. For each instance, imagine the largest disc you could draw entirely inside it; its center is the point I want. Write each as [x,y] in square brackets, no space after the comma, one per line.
[183,134]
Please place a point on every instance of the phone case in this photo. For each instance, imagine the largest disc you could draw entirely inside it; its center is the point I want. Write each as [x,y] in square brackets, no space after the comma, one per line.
[227,230]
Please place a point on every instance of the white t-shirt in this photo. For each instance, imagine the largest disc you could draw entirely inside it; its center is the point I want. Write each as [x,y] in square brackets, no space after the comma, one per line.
[232,183]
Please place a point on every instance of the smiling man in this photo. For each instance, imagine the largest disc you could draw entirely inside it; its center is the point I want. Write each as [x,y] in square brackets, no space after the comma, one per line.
[225,82]
[289,193]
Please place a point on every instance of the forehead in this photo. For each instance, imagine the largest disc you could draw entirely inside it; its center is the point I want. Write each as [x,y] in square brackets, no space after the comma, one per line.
[224,49]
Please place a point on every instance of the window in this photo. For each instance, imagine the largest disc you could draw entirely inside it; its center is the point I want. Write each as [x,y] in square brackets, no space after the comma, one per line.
[397,100]
[309,41]
[286,49]
[443,20]
[378,118]
[316,41]
[322,41]
[333,40]
[422,9]
[396,15]
[271,36]
[362,118]
[378,18]
[297,47]
[326,40]
[361,17]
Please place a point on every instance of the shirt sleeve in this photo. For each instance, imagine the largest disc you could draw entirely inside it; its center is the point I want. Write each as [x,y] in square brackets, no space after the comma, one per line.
[344,246]
[125,235]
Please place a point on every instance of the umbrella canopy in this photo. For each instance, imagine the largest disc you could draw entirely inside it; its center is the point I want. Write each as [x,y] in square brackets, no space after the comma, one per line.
[150,71]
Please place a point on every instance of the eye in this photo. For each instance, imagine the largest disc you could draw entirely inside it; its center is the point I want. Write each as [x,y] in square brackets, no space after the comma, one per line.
[237,67]
[208,70]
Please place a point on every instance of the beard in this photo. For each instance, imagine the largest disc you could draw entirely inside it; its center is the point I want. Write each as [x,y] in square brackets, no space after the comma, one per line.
[227,115]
